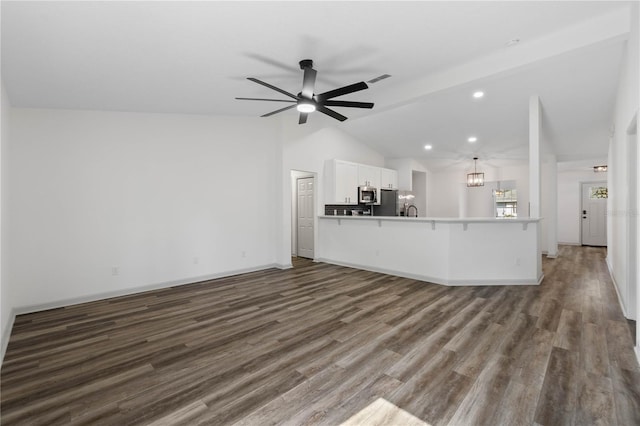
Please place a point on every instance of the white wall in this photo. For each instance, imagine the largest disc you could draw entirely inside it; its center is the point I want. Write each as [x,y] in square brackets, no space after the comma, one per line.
[7,302]
[619,212]
[420,192]
[307,148]
[549,205]
[569,202]
[155,198]
[445,190]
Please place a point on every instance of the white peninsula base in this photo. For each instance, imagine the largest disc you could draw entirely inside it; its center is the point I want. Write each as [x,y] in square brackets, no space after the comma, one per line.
[445,251]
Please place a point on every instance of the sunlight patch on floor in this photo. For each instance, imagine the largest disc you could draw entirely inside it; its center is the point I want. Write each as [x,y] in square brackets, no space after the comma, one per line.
[384,413]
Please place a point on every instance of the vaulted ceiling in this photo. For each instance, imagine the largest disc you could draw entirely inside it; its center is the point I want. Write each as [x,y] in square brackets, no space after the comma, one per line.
[194,57]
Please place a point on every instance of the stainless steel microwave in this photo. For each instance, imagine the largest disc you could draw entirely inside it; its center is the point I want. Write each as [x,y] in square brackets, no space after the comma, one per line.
[367,195]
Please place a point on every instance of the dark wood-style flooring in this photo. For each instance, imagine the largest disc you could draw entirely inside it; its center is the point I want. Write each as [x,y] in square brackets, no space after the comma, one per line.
[323,344]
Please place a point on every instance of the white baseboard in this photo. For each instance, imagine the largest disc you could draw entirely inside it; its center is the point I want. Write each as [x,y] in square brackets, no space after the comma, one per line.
[615,286]
[6,334]
[133,290]
[637,348]
[433,280]
[568,244]
[283,265]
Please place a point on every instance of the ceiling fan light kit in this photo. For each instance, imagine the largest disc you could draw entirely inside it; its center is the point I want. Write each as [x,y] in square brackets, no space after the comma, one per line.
[307,101]
[306,107]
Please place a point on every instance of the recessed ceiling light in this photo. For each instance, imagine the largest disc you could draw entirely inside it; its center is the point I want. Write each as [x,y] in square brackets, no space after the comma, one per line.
[478,94]
[513,42]
[472,139]
[428,147]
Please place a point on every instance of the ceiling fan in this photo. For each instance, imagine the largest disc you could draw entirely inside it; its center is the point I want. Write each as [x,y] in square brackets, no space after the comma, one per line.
[307,101]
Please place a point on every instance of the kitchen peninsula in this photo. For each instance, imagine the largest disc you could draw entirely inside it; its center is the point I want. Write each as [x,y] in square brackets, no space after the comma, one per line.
[448,251]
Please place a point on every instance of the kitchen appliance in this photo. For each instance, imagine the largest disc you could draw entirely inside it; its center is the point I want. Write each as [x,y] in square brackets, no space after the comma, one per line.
[388,203]
[367,195]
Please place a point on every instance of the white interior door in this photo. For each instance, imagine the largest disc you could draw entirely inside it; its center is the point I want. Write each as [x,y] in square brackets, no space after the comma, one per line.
[305,217]
[594,213]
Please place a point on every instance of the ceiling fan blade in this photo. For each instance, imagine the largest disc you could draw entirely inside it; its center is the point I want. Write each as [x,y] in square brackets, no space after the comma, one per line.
[349,104]
[308,82]
[330,113]
[303,118]
[277,89]
[277,111]
[261,99]
[355,87]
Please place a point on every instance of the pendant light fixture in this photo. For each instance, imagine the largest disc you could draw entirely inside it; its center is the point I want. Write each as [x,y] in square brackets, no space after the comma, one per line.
[475,178]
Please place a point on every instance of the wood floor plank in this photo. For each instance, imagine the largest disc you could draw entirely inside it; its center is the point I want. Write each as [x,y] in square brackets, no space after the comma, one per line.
[620,346]
[594,350]
[626,390]
[569,332]
[595,403]
[518,404]
[490,386]
[324,344]
[379,388]
[557,403]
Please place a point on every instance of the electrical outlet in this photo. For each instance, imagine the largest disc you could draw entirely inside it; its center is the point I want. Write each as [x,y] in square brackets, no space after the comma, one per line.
[518,261]
[196,260]
[244,253]
[115,270]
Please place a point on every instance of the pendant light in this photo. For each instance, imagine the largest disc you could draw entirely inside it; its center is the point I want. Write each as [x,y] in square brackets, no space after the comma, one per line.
[475,178]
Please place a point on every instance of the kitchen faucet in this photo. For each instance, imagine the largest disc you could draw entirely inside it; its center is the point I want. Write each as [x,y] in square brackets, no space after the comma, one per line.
[406,210]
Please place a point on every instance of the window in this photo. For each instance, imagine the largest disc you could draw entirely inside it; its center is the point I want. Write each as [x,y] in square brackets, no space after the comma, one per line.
[506,202]
[598,192]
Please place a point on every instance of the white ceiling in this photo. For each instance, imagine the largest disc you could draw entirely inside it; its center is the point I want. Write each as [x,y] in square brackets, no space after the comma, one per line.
[194,57]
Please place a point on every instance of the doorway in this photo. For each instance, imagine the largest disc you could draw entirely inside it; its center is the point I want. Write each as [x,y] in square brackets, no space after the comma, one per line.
[594,213]
[303,211]
[305,217]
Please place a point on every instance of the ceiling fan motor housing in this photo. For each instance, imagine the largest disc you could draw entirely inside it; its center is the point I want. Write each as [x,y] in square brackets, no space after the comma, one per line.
[306,63]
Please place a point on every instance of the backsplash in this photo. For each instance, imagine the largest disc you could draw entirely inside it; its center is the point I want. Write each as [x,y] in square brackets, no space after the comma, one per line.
[342,209]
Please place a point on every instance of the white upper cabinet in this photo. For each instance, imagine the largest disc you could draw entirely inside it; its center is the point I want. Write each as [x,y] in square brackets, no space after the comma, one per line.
[341,182]
[388,179]
[342,179]
[368,176]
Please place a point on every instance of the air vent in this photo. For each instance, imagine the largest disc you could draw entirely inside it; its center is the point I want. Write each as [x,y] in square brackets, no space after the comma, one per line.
[377,79]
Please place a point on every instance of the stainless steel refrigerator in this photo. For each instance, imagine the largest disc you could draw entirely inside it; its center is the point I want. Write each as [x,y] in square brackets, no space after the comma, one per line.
[388,203]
